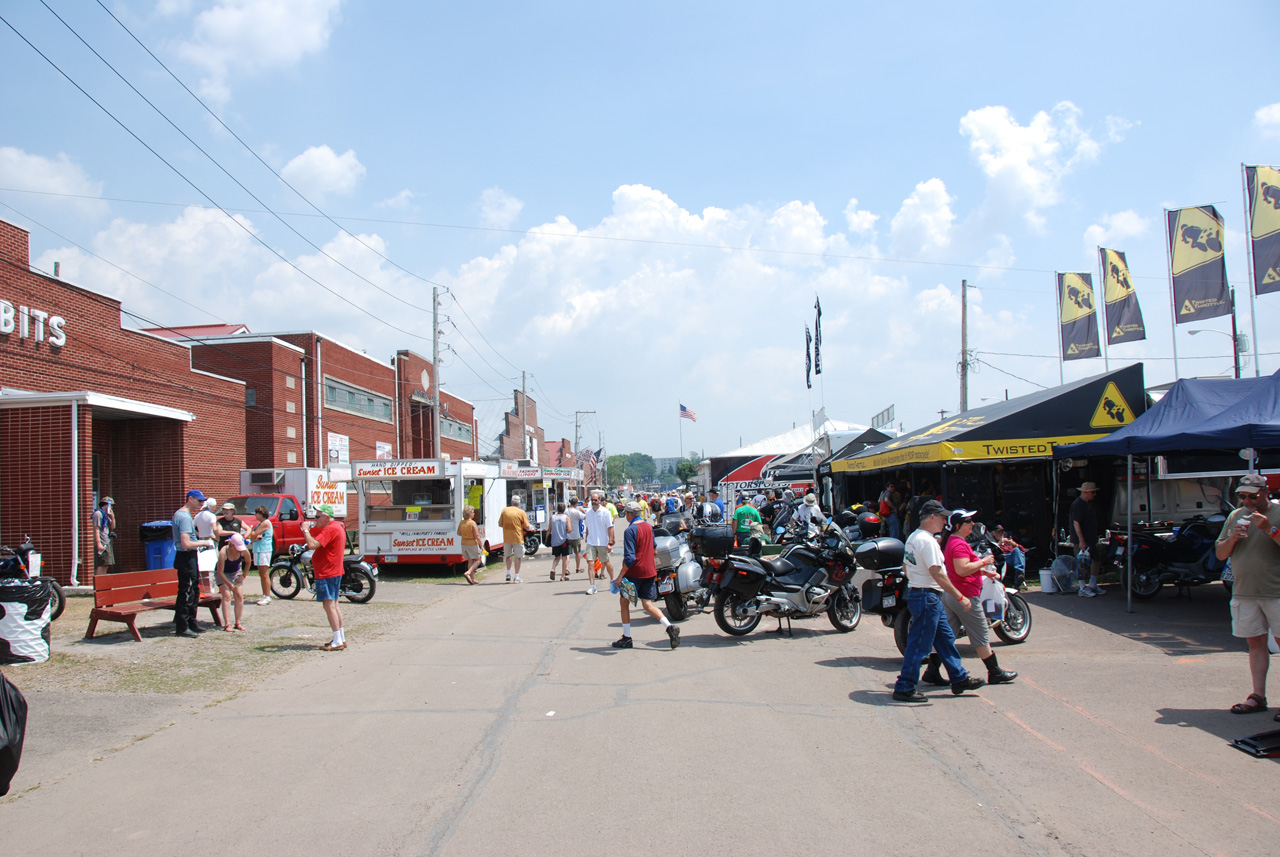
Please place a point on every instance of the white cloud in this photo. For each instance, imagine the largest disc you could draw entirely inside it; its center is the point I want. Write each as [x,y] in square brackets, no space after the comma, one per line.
[498,208]
[859,221]
[1025,164]
[1268,120]
[240,38]
[319,171]
[59,175]
[1117,127]
[402,200]
[923,223]
[1114,228]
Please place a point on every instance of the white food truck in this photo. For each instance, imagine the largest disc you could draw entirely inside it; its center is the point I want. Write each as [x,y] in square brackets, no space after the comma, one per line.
[410,508]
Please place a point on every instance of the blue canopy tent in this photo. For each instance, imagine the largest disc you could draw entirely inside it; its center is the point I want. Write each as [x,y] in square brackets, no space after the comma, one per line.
[1196,414]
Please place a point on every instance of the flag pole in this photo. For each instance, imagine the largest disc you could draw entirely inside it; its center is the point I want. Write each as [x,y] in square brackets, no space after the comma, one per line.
[1106,325]
[680,425]
[1173,304]
[1253,307]
[1062,343]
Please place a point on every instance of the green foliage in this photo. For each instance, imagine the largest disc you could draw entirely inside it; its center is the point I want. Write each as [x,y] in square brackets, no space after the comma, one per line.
[634,467]
[685,471]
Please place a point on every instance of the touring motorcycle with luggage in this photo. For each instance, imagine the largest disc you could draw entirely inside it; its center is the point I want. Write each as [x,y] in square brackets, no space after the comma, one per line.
[1184,558]
[24,562]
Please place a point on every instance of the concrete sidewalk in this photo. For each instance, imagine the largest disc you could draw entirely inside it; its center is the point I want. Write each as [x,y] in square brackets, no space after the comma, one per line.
[499,721]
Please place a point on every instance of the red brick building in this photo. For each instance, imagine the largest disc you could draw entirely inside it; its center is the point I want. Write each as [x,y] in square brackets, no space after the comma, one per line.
[523,416]
[90,409]
[414,378]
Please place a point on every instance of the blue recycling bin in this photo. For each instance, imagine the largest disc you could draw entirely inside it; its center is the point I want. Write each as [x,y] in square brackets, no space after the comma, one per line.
[157,544]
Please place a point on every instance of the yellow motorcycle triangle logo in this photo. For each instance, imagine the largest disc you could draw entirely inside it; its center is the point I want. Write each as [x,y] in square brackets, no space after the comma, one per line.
[1187,309]
[1112,411]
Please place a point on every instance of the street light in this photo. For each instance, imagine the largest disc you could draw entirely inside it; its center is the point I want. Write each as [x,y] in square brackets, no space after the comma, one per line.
[1240,341]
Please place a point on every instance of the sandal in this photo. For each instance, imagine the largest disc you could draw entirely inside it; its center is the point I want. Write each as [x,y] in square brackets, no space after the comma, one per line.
[226,628]
[1252,704]
[238,626]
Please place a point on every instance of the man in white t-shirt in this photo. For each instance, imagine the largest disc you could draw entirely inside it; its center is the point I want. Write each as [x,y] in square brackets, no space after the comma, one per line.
[926,581]
[599,538]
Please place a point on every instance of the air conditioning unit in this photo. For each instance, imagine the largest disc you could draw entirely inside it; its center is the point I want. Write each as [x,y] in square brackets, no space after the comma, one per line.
[266,477]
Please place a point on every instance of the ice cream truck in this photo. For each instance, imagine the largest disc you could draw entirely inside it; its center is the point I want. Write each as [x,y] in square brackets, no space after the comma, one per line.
[410,508]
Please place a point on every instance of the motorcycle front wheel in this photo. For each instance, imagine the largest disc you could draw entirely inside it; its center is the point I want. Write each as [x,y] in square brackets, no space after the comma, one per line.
[1016,625]
[845,611]
[358,586]
[286,582]
[728,617]
[902,627]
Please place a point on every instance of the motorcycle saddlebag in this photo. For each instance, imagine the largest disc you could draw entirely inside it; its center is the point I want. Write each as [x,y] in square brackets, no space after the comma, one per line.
[666,551]
[715,542]
[688,577]
[879,554]
[745,576]
[872,589]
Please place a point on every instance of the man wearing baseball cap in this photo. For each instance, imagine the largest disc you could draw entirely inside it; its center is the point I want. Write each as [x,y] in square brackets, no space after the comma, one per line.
[1084,533]
[326,538]
[185,548]
[639,570]
[1249,538]
[926,581]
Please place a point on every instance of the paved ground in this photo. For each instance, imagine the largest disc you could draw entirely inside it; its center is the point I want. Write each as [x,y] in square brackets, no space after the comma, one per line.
[498,721]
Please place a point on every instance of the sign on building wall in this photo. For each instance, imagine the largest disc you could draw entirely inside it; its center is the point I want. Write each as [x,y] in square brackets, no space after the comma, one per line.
[382,450]
[31,323]
[398,469]
[511,470]
[339,449]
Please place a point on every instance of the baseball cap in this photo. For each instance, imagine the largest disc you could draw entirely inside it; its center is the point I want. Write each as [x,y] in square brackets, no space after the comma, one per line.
[236,541]
[324,509]
[1251,483]
[633,507]
[108,500]
[957,517]
[195,492]
[231,506]
[931,507]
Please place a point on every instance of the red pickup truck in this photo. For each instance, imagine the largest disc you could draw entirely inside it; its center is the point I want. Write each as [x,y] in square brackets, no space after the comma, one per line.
[284,512]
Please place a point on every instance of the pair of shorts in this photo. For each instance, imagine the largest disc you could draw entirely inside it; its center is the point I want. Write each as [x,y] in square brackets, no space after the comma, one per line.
[1253,617]
[328,588]
[104,557]
[233,581]
[646,587]
[513,549]
[560,550]
[262,557]
[471,551]
[974,619]
[600,552]
[575,546]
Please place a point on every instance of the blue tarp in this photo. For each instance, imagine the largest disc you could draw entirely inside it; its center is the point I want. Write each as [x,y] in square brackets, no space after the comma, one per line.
[1197,414]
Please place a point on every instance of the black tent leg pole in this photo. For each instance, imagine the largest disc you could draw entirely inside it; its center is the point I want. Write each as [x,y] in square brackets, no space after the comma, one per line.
[1128,545]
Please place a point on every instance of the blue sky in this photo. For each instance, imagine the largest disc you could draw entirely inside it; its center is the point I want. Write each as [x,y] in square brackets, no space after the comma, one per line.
[636,204]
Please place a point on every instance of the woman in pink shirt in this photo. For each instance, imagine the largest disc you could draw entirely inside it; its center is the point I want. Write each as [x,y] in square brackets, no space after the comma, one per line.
[967,570]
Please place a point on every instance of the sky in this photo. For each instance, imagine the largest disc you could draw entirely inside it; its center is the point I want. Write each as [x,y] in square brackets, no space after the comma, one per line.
[637,205]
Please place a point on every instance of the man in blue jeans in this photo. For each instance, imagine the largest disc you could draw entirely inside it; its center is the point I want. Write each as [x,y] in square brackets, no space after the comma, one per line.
[926,581]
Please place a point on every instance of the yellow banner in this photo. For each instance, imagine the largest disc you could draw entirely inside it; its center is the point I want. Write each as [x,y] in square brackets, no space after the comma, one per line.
[1077,297]
[1196,239]
[1264,216]
[1115,276]
[970,450]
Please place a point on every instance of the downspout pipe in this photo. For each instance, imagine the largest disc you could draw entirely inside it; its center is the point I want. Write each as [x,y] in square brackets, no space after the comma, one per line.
[75,492]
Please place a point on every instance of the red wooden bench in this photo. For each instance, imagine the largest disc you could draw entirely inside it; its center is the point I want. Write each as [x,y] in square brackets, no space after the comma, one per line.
[121,597]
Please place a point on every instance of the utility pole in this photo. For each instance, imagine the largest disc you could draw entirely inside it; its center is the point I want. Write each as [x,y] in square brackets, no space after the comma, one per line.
[964,346]
[524,425]
[942,415]
[435,371]
[576,415]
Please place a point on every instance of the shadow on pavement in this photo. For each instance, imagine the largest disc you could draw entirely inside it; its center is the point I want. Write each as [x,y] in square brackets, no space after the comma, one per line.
[1177,626]
[288,647]
[884,665]
[1218,722]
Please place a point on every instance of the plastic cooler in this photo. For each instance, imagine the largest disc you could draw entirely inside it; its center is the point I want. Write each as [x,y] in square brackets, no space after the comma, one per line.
[157,544]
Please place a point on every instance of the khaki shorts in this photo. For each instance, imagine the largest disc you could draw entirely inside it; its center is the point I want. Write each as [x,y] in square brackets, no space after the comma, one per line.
[1253,617]
[471,551]
[600,552]
[974,620]
[513,549]
[575,545]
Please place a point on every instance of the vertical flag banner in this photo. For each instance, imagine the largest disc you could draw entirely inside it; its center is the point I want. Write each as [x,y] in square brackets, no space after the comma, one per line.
[1197,263]
[1124,316]
[817,337]
[808,343]
[1078,315]
[1264,227]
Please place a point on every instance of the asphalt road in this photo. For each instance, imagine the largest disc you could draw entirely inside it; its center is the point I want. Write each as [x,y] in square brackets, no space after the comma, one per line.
[499,721]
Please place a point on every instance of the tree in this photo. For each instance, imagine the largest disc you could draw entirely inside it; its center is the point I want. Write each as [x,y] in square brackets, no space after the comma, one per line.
[641,467]
[685,471]
[618,471]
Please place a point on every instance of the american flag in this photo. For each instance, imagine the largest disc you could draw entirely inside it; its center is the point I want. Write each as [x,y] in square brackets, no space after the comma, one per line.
[688,414]
[590,462]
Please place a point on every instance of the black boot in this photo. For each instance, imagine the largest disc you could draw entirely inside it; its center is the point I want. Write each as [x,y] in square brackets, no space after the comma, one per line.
[933,673]
[995,675]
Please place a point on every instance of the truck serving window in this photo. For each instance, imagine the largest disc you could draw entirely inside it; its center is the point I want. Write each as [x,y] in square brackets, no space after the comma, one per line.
[409,500]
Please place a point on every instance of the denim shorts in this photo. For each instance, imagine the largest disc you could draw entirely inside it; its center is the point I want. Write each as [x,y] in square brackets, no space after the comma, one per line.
[327,588]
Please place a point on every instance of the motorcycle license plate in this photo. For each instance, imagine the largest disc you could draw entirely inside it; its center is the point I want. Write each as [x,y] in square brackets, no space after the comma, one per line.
[888,600]
[666,586]
[1119,550]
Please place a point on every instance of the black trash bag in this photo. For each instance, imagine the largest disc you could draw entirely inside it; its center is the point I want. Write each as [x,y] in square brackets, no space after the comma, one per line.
[13,730]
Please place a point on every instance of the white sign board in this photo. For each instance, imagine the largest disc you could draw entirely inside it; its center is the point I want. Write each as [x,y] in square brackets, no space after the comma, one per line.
[398,469]
[321,489]
[425,543]
[511,470]
[339,449]
[382,450]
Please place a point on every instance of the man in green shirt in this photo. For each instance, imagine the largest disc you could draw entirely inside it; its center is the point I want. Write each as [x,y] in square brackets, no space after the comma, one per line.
[742,518]
[1249,539]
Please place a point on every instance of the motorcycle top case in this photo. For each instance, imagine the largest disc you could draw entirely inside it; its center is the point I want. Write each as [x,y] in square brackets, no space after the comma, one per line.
[880,554]
[711,541]
[666,551]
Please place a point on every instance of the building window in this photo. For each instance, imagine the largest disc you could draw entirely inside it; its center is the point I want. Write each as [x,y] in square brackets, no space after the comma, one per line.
[454,429]
[293,458]
[290,407]
[353,400]
[250,396]
[290,431]
[289,381]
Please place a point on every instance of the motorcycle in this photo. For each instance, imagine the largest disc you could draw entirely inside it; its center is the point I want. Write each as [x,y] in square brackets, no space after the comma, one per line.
[804,581]
[680,575]
[23,563]
[1184,558]
[291,573]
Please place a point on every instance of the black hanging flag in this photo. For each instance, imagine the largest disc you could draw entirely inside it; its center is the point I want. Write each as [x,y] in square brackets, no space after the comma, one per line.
[1264,227]
[1198,266]
[1078,317]
[1124,316]
[817,337]
[808,342]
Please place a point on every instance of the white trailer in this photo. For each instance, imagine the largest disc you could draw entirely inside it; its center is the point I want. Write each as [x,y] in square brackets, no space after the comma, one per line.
[410,508]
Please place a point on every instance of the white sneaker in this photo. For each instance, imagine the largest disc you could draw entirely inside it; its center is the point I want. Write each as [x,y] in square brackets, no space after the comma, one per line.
[1085,592]
[591,590]
[518,580]
[1098,590]
[266,599]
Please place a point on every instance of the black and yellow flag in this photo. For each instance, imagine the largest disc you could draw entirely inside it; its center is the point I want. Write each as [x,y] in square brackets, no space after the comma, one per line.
[1124,316]
[1078,316]
[1264,227]
[1198,266]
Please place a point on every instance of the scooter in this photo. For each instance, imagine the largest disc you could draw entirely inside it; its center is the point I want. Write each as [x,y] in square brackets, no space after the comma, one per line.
[23,562]
[1184,558]
[290,573]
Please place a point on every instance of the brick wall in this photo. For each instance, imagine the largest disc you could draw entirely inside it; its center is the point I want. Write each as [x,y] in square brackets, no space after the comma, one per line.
[509,444]
[415,416]
[35,482]
[268,367]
